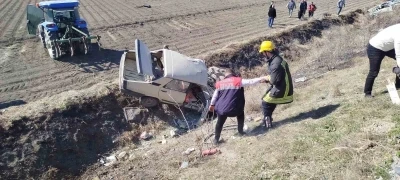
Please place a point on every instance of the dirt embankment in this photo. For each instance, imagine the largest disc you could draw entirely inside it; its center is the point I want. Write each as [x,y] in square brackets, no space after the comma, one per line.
[245,56]
[63,142]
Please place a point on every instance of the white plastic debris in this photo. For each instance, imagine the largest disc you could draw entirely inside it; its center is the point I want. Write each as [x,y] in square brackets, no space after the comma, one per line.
[302,79]
[188,151]
[110,160]
[122,155]
[145,136]
[184,164]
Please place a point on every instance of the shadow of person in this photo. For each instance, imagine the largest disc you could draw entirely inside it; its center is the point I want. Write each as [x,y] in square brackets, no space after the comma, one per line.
[4,105]
[313,114]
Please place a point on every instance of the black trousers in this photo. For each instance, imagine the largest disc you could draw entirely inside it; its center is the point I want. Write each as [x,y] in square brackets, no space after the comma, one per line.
[268,109]
[375,57]
[310,13]
[221,120]
[301,13]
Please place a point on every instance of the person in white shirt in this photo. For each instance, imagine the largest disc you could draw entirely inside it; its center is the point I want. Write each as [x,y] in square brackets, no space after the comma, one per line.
[385,43]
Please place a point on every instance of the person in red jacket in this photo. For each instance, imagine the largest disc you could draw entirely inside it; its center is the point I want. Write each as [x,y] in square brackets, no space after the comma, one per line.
[311,9]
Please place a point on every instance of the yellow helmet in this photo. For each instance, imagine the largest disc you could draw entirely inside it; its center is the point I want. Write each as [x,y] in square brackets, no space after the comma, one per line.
[267,46]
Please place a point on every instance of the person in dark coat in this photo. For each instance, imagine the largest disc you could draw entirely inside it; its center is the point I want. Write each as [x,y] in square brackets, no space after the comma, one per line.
[302,9]
[228,100]
[281,89]
[271,15]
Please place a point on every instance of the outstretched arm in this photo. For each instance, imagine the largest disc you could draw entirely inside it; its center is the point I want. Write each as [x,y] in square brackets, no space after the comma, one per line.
[250,82]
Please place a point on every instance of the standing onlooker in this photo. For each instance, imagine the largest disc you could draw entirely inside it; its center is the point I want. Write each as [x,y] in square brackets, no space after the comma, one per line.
[302,8]
[271,15]
[340,5]
[291,6]
[311,9]
[272,4]
[384,44]
[228,100]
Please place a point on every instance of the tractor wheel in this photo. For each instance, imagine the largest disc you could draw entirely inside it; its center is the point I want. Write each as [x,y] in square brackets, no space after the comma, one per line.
[41,35]
[51,48]
[148,102]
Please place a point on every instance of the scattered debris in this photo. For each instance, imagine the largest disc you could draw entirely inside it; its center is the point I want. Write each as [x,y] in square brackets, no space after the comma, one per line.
[394,95]
[122,155]
[173,133]
[257,119]
[184,164]
[133,114]
[163,140]
[96,178]
[209,152]
[108,160]
[106,112]
[145,136]
[302,79]
[188,151]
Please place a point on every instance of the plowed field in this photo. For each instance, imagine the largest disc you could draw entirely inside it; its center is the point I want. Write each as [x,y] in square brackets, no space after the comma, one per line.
[190,27]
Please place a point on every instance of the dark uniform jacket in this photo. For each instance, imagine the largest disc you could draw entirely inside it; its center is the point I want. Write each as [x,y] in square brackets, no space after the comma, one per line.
[281,90]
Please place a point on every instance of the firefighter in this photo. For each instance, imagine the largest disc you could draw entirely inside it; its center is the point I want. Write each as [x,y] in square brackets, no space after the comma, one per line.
[385,43]
[228,100]
[281,89]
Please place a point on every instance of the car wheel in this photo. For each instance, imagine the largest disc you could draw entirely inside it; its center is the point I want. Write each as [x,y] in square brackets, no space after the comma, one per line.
[148,102]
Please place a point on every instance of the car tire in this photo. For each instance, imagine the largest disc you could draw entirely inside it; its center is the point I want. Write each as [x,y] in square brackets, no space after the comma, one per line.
[148,102]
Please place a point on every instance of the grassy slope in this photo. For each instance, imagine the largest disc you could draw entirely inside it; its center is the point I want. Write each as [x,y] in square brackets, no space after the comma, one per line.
[329,132]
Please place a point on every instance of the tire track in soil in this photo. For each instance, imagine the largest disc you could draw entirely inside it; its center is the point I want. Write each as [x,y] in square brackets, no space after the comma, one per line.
[198,40]
[4,4]
[18,20]
[107,17]
[4,24]
[87,15]
[99,19]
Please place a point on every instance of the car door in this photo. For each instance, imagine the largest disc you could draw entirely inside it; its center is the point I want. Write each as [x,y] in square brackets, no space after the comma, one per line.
[34,17]
[174,92]
[143,59]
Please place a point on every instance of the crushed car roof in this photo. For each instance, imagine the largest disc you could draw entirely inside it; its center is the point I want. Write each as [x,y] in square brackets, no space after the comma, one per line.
[181,67]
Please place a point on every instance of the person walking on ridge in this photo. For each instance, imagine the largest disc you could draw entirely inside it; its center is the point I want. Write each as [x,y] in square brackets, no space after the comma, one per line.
[340,5]
[291,6]
[311,9]
[271,15]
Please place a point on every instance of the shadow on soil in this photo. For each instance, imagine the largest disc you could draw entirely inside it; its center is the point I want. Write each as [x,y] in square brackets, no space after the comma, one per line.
[97,60]
[4,105]
[313,114]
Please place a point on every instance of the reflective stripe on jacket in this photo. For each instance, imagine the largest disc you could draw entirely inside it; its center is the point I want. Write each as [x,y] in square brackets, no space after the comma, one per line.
[281,91]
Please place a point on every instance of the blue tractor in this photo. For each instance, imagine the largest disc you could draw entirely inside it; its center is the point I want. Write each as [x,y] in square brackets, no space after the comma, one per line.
[59,27]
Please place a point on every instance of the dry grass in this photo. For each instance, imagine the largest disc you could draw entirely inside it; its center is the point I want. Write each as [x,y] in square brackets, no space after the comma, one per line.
[58,102]
[329,132]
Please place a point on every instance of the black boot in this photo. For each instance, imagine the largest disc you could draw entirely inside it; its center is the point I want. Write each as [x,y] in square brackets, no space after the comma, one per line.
[267,121]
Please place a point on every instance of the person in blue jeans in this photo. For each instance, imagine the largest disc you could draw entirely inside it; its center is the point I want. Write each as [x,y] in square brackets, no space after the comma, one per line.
[271,15]
[340,5]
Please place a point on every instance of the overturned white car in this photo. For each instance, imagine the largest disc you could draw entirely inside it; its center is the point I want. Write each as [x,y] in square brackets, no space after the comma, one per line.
[164,76]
